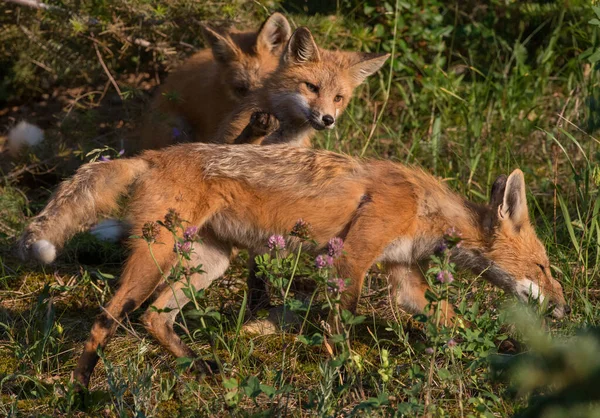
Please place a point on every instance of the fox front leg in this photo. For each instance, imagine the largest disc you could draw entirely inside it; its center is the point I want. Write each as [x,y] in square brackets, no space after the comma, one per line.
[260,126]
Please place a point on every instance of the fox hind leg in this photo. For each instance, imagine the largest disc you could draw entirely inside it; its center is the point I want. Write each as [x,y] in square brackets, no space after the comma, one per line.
[214,257]
[140,278]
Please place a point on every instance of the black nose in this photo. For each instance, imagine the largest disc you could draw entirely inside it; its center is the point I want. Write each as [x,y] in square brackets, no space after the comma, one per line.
[567,309]
[328,120]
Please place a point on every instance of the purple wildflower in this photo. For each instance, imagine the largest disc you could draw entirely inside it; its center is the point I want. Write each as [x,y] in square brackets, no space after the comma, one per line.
[172,219]
[176,133]
[190,233]
[452,343]
[442,247]
[276,242]
[150,231]
[338,285]
[453,237]
[335,247]
[323,261]
[429,350]
[104,158]
[184,247]
[121,153]
[444,276]
[301,230]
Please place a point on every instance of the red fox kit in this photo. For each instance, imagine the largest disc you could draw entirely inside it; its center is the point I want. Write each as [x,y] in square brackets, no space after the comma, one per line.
[385,212]
[307,93]
[199,95]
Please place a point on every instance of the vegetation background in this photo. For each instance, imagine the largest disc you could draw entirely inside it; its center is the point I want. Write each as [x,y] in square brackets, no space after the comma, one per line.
[474,89]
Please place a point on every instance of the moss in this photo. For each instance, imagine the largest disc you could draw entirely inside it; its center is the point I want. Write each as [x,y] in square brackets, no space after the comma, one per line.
[8,364]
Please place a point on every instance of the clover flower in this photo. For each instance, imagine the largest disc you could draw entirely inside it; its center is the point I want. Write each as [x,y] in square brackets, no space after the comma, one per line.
[444,276]
[150,231]
[323,261]
[301,230]
[276,242]
[190,234]
[172,219]
[335,247]
[453,237]
[338,285]
[184,248]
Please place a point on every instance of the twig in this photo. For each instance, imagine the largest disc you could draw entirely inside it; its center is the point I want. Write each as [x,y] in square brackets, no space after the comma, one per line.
[106,70]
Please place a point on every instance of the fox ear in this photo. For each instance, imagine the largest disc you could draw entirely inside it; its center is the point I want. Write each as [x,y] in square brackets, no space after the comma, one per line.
[223,48]
[273,33]
[497,193]
[496,199]
[514,203]
[301,48]
[368,64]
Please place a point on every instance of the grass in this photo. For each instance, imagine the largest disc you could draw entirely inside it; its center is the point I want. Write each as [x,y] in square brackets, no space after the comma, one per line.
[472,92]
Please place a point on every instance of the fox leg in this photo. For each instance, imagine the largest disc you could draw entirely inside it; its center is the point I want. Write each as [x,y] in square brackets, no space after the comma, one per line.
[214,257]
[261,125]
[140,278]
[408,290]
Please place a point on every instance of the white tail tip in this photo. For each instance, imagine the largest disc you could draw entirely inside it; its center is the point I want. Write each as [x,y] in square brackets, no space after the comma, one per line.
[108,230]
[43,251]
[23,135]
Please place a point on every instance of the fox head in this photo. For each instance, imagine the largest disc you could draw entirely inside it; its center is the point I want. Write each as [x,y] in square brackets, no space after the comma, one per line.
[515,248]
[247,58]
[313,86]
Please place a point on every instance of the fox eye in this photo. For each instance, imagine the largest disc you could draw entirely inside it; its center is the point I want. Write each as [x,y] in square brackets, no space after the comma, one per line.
[311,87]
[338,98]
[541,266]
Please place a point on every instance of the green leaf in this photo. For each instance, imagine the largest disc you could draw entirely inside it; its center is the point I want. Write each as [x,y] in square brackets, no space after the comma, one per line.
[267,390]
[184,362]
[251,387]
[314,340]
[230,383]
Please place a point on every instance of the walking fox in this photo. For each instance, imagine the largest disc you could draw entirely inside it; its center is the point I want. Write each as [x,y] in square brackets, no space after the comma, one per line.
[200,94]
[385,212]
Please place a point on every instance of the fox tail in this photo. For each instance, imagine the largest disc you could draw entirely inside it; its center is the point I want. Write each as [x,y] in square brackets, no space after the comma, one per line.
[93,190]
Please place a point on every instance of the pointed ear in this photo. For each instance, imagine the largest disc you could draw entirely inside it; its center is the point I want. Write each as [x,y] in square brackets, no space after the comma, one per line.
[223,48]
[497,193]
[368,64]
[496,199]
[514,201]
[273,34]
[301,48]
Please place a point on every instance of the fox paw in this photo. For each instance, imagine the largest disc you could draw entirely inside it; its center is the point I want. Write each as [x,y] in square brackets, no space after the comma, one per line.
[263,123]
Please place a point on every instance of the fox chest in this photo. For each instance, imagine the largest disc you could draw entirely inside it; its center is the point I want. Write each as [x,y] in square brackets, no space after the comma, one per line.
[409,250]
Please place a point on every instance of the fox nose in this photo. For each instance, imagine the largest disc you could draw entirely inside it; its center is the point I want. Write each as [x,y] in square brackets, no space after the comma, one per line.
[328,120]
[567,310]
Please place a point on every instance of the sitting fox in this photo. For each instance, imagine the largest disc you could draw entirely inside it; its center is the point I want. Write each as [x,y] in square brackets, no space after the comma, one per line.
[209,85]
[385,212]
[307,93]
[305,87]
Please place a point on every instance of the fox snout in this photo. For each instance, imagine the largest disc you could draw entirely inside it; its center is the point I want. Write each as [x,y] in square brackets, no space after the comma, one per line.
[321,121]
[527,290]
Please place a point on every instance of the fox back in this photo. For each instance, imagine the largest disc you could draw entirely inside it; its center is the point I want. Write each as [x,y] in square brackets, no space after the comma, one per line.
[200,94]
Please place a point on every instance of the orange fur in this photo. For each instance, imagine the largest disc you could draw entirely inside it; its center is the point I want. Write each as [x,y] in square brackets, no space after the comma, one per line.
[200,94]
[240,195]
[308,92]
